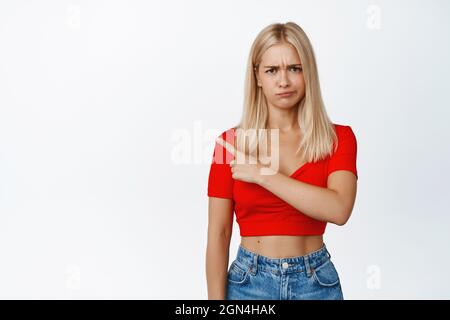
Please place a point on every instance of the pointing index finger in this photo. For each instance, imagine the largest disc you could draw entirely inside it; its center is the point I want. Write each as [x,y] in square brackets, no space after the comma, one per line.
[227,145]
[239,155]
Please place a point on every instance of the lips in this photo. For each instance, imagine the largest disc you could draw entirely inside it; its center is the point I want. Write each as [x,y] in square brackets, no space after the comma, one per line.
[285,94]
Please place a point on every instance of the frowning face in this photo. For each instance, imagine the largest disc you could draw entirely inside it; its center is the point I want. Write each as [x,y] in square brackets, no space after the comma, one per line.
[280,71]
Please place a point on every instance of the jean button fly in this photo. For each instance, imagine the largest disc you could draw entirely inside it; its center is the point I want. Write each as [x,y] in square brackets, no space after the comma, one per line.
[285,265]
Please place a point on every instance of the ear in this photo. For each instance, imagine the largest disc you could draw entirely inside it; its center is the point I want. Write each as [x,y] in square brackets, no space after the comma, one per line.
[255,70]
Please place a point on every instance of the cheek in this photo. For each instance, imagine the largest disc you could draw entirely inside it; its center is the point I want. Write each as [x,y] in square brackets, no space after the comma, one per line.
[300,85]
[299,82]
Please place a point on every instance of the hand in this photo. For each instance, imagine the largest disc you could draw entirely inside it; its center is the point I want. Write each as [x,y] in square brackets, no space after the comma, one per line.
[252,172]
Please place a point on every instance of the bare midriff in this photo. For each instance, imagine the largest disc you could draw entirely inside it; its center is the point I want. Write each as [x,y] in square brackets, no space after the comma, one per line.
[282,246]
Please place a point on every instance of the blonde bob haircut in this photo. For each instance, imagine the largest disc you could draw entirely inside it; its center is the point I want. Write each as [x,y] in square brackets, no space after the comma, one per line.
[317,132]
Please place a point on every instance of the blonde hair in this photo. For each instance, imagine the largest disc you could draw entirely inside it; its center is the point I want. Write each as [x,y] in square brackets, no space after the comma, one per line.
[317,132]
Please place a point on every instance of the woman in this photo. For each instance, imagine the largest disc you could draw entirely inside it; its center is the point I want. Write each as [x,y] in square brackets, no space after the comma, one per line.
[282,209]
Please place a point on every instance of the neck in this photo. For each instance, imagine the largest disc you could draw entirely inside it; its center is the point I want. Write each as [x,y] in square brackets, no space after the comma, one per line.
[283,120]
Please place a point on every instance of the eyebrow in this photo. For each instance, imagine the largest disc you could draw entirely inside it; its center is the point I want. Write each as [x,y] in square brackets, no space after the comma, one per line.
[291,65]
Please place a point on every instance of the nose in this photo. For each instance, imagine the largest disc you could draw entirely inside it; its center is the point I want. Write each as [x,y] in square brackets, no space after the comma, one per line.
[284,79]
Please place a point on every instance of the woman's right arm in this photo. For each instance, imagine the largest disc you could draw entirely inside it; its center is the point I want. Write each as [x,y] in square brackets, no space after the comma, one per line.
[220,224]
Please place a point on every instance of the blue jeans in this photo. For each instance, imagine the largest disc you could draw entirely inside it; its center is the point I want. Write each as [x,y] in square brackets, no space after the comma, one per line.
[310,277]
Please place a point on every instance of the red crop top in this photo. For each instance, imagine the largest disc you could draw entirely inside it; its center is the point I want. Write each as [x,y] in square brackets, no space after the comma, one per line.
[258,211]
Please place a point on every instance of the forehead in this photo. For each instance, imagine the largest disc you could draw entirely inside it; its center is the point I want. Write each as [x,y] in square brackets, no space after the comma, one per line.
[280,54]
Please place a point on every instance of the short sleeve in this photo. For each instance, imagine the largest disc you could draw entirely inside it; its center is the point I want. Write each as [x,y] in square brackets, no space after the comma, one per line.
[345,156]
[220,180]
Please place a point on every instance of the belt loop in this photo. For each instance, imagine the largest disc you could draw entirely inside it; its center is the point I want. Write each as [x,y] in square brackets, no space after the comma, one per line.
[254,267]
[308,267]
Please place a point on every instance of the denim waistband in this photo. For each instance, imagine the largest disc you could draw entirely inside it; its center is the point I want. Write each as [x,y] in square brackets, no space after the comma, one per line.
[304,263]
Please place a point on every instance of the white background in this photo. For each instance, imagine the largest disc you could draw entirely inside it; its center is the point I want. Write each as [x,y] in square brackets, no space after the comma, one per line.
[108,110]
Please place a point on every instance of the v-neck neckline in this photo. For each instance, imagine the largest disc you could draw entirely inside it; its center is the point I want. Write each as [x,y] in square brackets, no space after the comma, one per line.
[293,173]
[299,169]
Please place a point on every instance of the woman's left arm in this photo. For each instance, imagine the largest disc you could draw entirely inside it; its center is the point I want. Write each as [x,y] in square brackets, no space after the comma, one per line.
[332,204]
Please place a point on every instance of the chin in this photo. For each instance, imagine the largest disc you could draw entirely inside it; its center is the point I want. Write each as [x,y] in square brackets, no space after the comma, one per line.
[286,105]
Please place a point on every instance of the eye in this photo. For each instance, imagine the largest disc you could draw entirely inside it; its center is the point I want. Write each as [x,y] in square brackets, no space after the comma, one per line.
[296,70]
